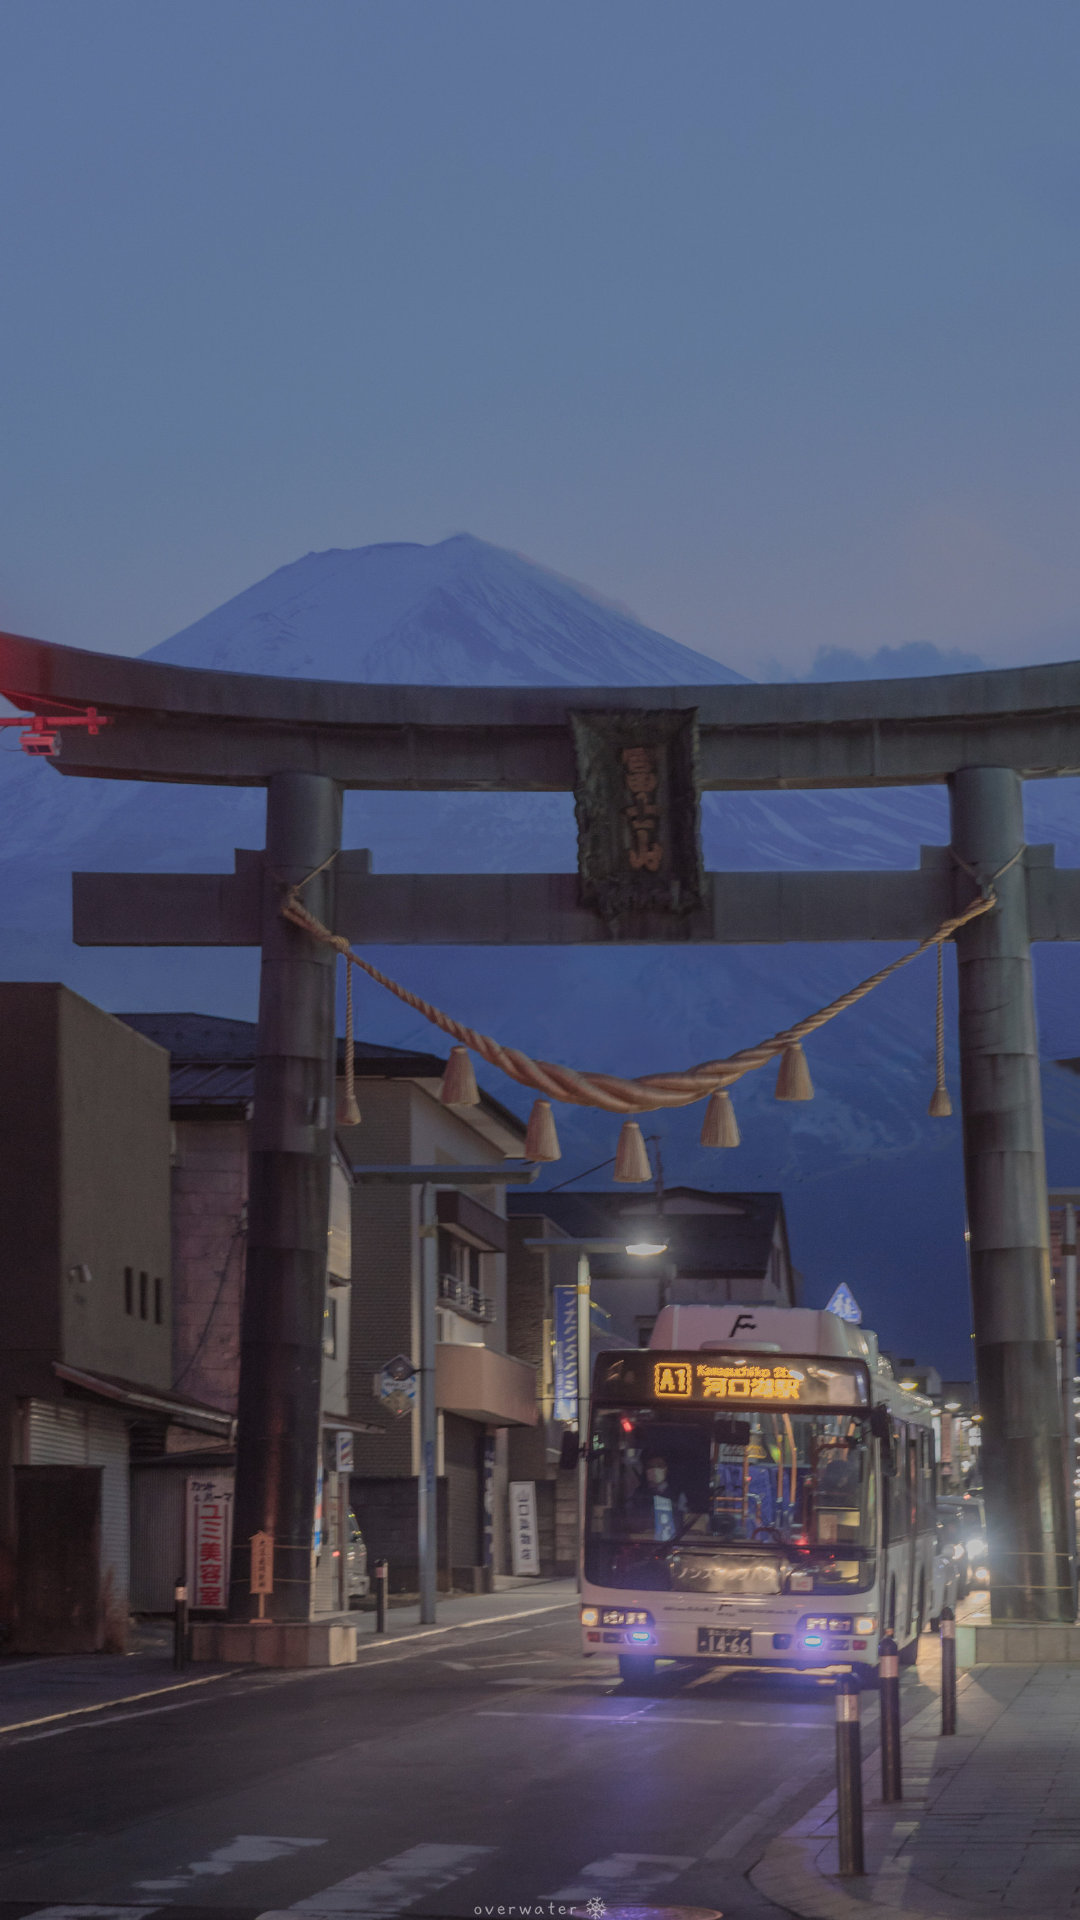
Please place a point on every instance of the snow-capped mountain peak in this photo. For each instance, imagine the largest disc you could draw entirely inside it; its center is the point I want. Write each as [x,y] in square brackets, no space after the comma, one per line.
[460,613]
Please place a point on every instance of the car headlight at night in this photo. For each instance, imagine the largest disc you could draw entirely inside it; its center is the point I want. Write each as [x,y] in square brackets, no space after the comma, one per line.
[975,1546]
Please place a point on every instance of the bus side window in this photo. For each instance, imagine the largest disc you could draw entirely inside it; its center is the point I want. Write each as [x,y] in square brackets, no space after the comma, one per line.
[899,1487]
[927,1507]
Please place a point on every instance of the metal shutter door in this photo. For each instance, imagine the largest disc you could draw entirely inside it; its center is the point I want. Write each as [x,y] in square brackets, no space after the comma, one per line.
[56,1435]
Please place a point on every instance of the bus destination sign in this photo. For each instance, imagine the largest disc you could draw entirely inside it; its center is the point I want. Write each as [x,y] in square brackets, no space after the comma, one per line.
[746,1379]
[677,1380]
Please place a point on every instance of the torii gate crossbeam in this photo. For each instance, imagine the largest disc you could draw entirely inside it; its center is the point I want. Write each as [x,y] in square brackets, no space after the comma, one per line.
[981,734]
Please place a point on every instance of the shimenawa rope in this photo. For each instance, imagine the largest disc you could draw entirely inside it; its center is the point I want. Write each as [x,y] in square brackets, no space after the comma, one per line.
[612,1092]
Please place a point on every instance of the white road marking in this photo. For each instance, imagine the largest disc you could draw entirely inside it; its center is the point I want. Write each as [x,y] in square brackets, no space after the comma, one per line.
[643,1713]
[261,1677]
[74,1713]
[395,1883]
[499,1660]
[92,1913]
[375,1645]
[247,1850]
[110,1720]
[628,1876]
[717,1720]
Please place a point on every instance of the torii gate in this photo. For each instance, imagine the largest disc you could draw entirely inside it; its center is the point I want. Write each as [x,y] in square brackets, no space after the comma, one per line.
[981,734]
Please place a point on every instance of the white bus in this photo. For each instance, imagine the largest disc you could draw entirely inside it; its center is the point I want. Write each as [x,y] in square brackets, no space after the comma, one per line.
[759,1491]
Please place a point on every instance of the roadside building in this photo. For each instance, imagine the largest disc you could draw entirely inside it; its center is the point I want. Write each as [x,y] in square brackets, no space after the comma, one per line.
[86,1312]
[211,1086]
[373,1292]
[484,1390]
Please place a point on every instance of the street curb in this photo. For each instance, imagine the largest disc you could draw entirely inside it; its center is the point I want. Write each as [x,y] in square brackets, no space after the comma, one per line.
[122,1700]
[798,1870]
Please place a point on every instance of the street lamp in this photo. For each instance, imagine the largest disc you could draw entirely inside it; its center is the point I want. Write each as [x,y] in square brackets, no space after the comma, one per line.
[650,1240]
[645,1246]
[519,1173]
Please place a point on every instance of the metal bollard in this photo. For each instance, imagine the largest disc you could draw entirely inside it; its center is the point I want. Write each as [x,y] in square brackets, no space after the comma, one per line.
[948,1670]
[889,1688]
[382,1581]
[180,1626]
[849,1820]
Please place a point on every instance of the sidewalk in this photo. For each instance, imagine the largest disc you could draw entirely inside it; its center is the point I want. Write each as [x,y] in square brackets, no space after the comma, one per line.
[35,1691]
[989,1824]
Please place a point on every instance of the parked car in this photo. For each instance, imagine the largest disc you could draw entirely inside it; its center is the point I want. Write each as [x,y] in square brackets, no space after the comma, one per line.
[947,1567]
[358,1583]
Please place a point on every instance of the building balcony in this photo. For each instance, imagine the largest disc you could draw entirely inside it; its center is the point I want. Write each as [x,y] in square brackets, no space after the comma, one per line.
[457,1293]
[483,1385]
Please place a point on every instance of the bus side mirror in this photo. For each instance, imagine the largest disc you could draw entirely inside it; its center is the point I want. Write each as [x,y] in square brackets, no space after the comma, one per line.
[881,1428]
[568,1453]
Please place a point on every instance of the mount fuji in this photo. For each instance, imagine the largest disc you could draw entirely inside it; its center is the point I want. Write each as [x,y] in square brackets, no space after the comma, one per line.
[872,1187]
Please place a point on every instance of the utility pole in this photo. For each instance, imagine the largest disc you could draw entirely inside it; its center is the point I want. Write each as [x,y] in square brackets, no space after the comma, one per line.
[1068,1370]
[427,1511]
[584,1369]
[509,1173]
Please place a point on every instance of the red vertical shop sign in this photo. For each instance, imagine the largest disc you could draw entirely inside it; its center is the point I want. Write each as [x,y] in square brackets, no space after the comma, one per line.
[209,1539]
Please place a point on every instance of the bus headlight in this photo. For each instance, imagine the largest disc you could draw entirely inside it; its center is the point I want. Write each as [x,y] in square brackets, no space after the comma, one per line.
[589,1616]
[865,1624]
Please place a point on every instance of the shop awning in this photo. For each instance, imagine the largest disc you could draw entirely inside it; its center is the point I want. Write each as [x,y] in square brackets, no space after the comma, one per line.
[153,1400]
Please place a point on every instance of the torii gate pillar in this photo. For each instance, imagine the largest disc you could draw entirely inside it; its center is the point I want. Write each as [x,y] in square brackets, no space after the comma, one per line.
[288,1205]
[1005,1173]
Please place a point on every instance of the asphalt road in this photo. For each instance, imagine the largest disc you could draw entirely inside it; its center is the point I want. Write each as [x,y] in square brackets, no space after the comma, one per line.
[488,1767]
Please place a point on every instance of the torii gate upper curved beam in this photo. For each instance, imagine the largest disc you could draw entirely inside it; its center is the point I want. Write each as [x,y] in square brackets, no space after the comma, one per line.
[234,729]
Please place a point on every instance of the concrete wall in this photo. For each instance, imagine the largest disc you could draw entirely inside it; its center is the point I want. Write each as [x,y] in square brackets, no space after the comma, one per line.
[209,1206]
[209,1216]
[84,1183]
[384,1245]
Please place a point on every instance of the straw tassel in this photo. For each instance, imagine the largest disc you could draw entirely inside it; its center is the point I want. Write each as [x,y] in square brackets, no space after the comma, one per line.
[940,1105]
[793,1081]
[348,1113]
[719,1128]
[459,1087]
[541,1139]
[631,1159]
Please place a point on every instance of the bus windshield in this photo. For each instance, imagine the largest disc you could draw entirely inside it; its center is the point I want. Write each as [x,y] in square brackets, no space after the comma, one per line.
[762,1502]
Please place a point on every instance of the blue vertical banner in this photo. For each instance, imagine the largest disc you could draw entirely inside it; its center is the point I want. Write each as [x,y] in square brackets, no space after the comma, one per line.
[564,1308]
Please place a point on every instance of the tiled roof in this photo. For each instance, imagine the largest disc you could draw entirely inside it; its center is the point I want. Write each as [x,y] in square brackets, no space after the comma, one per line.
[213,1061]
[205,1039]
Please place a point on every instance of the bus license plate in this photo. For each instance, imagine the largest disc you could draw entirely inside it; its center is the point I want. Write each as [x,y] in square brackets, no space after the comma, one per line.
[722,1640]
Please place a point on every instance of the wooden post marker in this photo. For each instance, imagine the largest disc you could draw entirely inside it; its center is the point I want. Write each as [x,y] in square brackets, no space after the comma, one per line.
[262,1571]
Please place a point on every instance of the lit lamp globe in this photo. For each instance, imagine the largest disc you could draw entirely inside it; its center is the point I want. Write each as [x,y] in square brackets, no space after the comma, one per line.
[648,1239]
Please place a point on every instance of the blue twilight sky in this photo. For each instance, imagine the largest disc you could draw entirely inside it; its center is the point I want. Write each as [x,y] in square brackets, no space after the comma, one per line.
[760,317]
